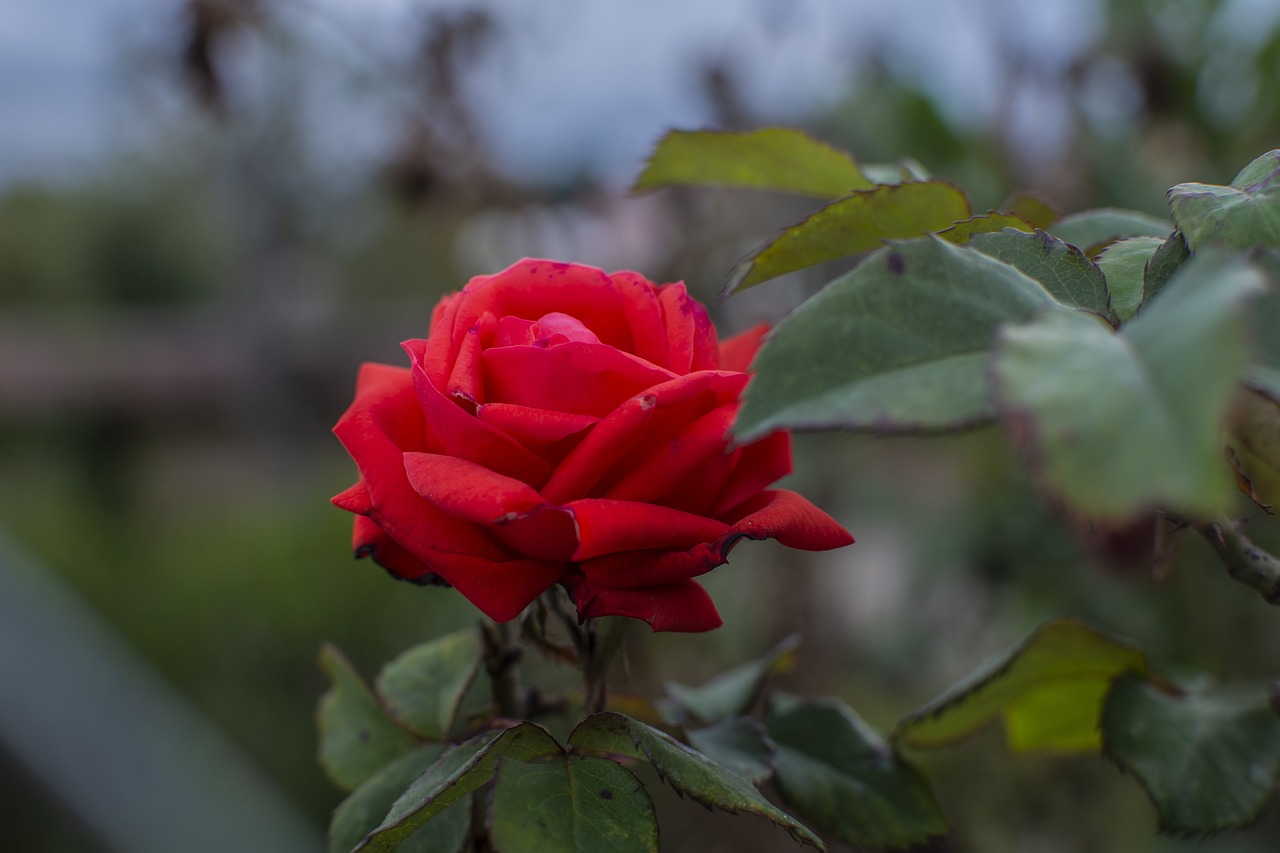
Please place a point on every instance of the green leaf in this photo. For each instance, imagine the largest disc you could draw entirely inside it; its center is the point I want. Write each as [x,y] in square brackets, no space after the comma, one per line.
[1124,264]
[362,812]
[1208,763]
[688,771]
[1031,209]
[734,692]
[1262,170]
[1067,383]
[1048,690]
[842,776]
[357,739]
[774,158]
[1255,427]
[463,769]
[423,687]
[1264,319]
[1167,260]
[853,225]
[901,343]
[740,744]
[1243,215]
[985,223]
[1093,228]
[1062,269]
[571,804]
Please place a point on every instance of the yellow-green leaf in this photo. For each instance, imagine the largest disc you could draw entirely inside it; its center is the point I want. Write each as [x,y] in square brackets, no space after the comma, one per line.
[774,158]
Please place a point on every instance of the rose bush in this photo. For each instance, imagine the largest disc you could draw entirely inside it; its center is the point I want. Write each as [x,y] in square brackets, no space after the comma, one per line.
[564,425]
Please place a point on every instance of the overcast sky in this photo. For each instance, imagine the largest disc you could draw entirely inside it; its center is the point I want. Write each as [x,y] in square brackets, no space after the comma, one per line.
[576,84]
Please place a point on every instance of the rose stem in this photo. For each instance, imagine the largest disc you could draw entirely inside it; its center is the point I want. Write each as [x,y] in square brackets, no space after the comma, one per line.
[594,684]
[604,639]
[501,654]
[1244,561]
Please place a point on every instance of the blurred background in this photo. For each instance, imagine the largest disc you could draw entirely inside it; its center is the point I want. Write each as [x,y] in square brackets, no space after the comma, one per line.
[211,212]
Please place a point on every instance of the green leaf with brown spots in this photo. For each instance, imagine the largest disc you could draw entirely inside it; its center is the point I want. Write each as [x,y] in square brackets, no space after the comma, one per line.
[900,344]
[570,804]
[357,738]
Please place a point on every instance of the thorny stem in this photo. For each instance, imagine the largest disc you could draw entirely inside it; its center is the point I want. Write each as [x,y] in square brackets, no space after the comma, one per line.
[501,655]
[1245,562]
[594,669]
[596,643]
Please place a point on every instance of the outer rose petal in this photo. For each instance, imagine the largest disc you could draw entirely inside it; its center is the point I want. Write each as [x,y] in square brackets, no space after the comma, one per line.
[491,577]
[501,589]
[736,353]
[644,316]
[786,516]
[691,339]
[681,606]
[775,514]
[368,540]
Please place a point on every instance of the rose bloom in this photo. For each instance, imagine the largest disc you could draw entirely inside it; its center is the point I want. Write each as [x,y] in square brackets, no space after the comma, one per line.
[562,425]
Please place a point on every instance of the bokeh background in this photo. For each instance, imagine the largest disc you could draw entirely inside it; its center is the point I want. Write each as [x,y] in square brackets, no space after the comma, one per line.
[212,211]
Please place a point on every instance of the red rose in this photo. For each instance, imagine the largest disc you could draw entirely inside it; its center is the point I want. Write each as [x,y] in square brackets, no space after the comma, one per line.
[564,425]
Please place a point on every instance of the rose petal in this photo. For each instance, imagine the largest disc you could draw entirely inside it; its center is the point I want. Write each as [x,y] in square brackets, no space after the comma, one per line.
[775,514]
[655,475]
[760,464]
[559,325]
[369,540]
[466,379]
[580,378]
[546,533]
[628,569]
[609,440]
[737,352]
[786,516]
[607,526]
[679,403]
[438,351]
[636,428]
[683,606]
[437,313]
[531,426]
[458,433]
[392,503]
[699,488]
[500,588]
[468,491]
[691,339]
[354,499]
[533,288]
[644,317]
